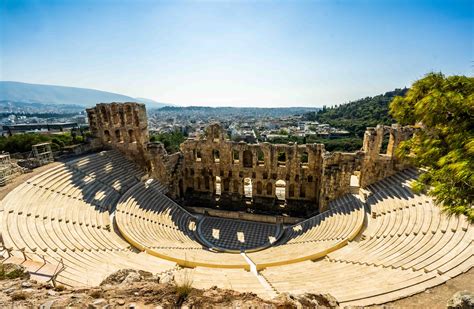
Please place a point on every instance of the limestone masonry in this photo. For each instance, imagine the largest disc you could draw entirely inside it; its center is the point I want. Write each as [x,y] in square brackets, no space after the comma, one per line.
[212,170]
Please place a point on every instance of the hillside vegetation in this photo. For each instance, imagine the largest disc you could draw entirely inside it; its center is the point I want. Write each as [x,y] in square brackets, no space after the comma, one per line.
[355,116]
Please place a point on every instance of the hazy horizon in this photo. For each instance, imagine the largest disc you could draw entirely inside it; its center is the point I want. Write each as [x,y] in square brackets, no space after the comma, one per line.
[252,54]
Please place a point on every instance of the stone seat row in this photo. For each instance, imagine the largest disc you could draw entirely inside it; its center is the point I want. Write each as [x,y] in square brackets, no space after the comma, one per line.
[168,221]
[335,223]
[55,225]
[327,232]
[155,224]
[357,285]
[418,238]
[408,246]
[65,181]
[110,168]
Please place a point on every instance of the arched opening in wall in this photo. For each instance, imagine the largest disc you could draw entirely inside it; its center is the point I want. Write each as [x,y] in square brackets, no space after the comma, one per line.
[260,158]
[137,120]
[216,155]
[235,156]
[236,186]
[281,158]
[218,185]
[105,117]
[280,189]
[206,182]
[107,136]
[304,159]
[355,182]
[122,118]
[129,114]
[385,140]
[199,183]
[181,189]
[248,158]
[226,185]
[269,188]
[131,136]
[310,178]
[259,187]
[302,190]
[291,190]
[118,136]
[197,155]
[115,116]
[215,134]
[248,187]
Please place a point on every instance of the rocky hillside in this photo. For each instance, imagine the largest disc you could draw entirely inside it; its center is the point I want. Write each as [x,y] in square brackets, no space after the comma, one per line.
[138,289]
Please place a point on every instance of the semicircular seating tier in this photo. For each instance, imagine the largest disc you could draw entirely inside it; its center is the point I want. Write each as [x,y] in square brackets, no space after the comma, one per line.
[63,215]
[154,223]
[407,247]
[403,246]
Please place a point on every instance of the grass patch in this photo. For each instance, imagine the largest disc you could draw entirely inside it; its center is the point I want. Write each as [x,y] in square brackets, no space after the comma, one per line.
[20,295]
[183,286]
[59,288]
[96,294]
[11,274]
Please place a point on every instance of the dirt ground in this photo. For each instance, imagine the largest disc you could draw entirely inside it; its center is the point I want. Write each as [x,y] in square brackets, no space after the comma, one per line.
[23,177]
[436,297]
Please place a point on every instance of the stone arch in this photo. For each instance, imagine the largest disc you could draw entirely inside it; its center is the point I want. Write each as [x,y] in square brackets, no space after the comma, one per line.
[269,188]
[291,190]
[235,156]
[181,189]
[107,136]
[218,188]
[281,158]
[248,159]
[105,116]
[236,186]
[226,184]
[216,155]
[118,136]
[302,190]
[115,116]
[129,114]
[122,117]
[260,158]
[131,136]
[259,187]
[304,158]
[280,189]
[248,187]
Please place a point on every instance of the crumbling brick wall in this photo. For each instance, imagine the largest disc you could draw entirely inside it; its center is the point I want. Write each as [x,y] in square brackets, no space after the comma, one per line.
[217,171]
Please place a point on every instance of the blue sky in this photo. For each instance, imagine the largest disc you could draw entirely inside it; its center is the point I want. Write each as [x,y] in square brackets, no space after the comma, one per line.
[235,53]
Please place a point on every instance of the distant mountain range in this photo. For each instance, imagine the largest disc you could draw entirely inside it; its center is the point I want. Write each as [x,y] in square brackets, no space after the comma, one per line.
[16,92]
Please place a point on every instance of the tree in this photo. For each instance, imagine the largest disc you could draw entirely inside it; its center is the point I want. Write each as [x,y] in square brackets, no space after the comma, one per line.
[443,107]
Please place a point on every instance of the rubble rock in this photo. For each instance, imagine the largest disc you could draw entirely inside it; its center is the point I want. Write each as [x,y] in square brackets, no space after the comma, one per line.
[461,300]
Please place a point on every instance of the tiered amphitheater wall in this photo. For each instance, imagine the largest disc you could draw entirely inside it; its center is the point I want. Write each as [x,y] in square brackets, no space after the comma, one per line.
[212,171]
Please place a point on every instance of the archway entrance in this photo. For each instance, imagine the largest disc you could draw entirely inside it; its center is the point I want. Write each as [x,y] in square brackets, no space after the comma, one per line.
[248,187]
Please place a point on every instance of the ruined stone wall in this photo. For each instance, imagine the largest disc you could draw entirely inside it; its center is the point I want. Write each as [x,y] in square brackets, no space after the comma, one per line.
[212,171]
[338,167]
[213,159]
[123,126]
[379,163]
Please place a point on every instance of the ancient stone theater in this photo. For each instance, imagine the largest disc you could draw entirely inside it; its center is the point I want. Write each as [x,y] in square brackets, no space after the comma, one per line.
[263,218]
